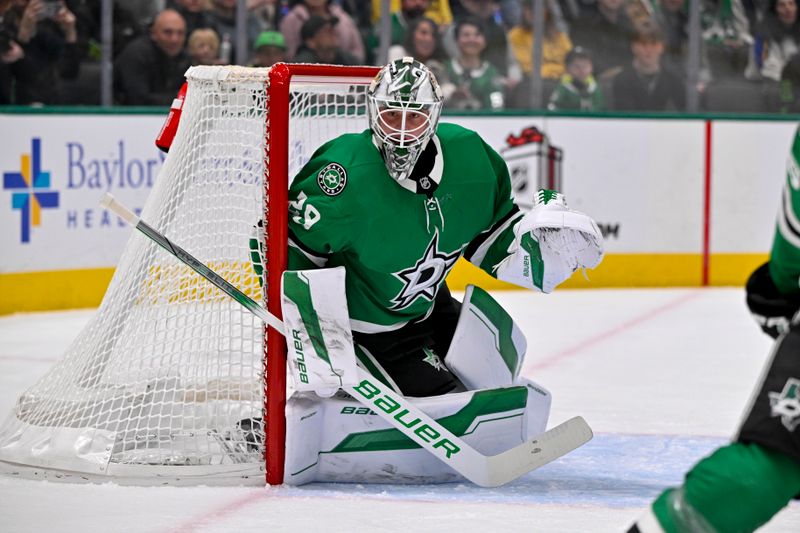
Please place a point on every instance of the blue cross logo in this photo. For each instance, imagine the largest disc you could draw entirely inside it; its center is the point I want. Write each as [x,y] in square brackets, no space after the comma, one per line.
[28,184]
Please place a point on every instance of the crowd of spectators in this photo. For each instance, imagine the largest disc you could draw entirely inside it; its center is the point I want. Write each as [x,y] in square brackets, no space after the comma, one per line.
[616,55]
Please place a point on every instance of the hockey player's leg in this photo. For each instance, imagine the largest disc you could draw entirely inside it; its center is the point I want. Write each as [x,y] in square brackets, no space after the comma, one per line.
[741,486]
[409,360]
[488,348]
[736,489]
[317,329]
[338,439]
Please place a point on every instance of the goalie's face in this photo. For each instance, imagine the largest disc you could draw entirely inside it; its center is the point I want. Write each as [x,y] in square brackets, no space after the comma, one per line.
[403,105]
[403,127]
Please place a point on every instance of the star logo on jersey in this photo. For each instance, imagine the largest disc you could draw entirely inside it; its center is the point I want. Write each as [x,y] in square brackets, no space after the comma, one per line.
[786,404]
[423,279]
[332,179]
[432,359]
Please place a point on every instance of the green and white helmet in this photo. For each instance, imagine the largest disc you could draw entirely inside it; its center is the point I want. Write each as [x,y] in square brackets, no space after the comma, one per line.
[404,103]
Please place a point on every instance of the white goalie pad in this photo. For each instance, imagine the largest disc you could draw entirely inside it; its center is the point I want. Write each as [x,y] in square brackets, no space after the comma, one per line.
[488,348]
[317,325]
[341,440]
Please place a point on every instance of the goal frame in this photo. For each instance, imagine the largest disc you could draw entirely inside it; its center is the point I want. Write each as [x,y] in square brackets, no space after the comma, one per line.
[276,147]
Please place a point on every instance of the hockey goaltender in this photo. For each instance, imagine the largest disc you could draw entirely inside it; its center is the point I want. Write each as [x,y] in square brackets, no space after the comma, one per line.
[396,206]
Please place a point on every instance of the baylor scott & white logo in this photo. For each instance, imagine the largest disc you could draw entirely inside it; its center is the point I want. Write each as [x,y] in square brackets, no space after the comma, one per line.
[424,277]
[332,179]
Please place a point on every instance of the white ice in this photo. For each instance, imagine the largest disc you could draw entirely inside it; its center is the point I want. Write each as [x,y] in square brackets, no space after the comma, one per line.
[662,376]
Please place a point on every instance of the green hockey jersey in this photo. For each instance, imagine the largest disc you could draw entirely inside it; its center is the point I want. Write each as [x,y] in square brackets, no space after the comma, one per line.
[398,242]
[784,264]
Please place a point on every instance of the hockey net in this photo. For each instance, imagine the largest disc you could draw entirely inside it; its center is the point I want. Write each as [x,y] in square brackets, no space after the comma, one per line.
[171,381]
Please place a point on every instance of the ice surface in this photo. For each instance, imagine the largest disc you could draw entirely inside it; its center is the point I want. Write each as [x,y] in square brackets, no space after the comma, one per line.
[662,376]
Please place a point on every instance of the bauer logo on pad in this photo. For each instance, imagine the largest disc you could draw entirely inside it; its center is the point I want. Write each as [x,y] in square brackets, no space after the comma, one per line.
[332,179]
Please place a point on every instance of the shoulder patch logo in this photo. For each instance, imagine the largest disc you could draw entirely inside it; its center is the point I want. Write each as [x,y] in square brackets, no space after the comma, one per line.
[332,179]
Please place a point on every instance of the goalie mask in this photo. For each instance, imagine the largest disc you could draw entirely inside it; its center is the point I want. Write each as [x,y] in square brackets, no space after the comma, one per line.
[404,102]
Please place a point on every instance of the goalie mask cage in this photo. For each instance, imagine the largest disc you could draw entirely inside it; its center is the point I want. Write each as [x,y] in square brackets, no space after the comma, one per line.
[171,381]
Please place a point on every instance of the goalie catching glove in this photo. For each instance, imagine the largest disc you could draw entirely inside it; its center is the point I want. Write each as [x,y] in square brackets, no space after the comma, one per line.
[550,243]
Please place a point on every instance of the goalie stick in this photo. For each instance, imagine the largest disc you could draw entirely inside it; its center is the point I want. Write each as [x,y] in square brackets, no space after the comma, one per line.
[483,470]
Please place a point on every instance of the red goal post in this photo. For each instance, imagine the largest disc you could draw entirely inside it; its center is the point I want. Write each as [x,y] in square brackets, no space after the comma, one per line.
[281,77]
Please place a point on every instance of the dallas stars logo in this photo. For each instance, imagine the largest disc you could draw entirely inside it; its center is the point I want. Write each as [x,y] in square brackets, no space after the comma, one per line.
[423,279]
[332,179]
[786,404]
[432,359]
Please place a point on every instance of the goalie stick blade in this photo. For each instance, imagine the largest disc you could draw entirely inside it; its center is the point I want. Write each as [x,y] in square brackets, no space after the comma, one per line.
[545,448]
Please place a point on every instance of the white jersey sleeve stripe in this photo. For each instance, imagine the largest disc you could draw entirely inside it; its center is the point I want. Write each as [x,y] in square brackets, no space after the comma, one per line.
[480,253]
[788,223]
[319,261]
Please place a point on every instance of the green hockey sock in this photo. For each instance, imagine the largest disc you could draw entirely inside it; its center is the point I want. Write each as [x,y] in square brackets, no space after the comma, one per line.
[738,488]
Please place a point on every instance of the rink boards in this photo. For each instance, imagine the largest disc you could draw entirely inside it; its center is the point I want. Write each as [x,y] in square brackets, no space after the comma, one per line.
[682,201]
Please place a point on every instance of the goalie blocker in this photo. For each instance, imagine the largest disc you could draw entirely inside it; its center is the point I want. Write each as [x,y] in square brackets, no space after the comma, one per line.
[341,439]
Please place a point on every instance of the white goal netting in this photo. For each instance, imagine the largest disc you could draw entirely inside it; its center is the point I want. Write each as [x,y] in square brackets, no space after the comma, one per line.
[166,383]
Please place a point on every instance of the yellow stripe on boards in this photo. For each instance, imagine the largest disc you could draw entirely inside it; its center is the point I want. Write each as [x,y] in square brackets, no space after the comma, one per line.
[619,270]
[61,289]
[733,269]
[165,283]
[633,270]
[69,289]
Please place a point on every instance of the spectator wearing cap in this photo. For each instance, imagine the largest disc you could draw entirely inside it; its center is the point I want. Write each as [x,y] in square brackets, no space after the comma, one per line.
[149,71]
[270,48]
[321,43]
[348,36]
[577,89]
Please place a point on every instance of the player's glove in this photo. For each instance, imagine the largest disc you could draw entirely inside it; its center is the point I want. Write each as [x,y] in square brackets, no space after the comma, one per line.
[772,310]
[551,242]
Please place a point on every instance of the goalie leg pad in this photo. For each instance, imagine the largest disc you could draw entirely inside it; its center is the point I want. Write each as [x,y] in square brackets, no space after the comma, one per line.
[488,348]
[317,329]
[338,439]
